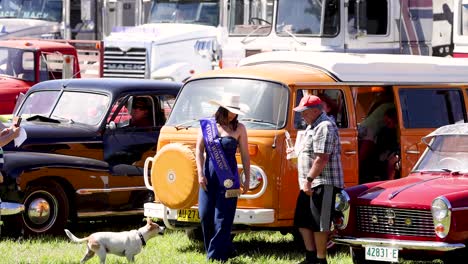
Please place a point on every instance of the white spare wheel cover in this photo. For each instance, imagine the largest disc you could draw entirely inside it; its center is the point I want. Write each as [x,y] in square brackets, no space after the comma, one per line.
[174,176]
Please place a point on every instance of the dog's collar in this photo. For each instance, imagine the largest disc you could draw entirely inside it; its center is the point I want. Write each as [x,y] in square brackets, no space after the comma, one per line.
[141,238]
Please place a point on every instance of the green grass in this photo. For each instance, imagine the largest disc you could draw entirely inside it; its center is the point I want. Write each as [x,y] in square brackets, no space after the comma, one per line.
[173,247]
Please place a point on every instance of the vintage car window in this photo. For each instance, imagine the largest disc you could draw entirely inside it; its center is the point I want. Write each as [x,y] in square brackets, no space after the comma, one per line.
[431,108]
[252,17]
[79,107]
[166,103]
[308,17]
[333,104]
[267,102]
[38,103]
[446,152]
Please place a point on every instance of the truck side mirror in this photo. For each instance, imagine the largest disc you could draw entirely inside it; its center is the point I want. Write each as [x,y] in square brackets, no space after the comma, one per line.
[206,48]
[67,69]
[361,16]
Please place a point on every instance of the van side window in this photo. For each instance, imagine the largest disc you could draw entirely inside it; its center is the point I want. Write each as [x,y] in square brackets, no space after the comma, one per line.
[333,103]
[431,108]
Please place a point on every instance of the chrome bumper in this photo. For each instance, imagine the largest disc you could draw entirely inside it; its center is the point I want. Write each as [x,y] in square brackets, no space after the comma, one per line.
[243,216]
[401,244]
[7,208]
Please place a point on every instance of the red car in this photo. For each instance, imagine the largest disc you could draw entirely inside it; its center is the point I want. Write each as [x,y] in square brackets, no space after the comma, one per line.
[424,215]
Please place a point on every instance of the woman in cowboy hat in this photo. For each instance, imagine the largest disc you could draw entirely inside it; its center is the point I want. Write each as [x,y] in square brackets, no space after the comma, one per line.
[220,185]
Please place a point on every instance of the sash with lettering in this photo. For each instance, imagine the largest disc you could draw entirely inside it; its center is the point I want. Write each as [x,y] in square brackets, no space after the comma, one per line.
[227,179]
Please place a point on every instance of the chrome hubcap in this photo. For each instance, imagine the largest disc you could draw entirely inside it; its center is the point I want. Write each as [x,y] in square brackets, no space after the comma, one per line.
[39,211]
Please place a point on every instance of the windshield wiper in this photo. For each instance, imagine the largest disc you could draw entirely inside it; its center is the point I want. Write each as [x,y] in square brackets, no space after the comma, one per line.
[42,119]
[185,125]
[253,31]
[303,43]
[254,120]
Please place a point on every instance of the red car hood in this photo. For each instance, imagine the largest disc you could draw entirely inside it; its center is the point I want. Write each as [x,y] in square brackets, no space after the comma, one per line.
[9,90]
[415,191]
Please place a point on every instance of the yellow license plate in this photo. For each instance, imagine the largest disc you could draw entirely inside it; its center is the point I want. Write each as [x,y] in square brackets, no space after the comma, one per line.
[188,215]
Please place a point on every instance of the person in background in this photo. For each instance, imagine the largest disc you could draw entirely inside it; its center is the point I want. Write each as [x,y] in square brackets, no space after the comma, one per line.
[219,184]
[320,178]
[7,134]
[141,113]
[388,146]
[329,106]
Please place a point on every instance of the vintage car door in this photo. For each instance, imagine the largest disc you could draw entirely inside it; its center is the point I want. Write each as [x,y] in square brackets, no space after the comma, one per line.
[421,109]
[127,144]
[340,101]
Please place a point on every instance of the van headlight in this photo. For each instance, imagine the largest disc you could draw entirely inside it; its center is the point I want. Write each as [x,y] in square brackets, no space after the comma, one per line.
[256,177]
[441,214]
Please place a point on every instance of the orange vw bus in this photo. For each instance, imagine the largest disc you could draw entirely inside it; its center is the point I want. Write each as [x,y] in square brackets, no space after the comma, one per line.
[424,93]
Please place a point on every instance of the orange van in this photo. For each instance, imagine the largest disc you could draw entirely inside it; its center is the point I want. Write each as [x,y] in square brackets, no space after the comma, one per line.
[423,93]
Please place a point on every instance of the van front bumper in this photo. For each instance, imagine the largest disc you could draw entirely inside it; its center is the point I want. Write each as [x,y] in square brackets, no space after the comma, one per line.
[243,216]
[402,244]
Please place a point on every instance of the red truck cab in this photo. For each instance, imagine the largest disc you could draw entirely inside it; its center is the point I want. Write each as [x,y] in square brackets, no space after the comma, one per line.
[24,63]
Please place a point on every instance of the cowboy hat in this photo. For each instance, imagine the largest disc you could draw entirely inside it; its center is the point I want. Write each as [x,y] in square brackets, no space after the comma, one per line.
[231,102]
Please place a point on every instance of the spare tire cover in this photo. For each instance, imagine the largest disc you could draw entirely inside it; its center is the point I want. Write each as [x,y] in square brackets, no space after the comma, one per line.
[174,176]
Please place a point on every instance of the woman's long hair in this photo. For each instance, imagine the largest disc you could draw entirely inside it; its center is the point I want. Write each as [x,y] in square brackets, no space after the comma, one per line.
[221,117]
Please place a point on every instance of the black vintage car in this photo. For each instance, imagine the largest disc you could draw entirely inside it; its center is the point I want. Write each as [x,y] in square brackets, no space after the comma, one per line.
[84,152]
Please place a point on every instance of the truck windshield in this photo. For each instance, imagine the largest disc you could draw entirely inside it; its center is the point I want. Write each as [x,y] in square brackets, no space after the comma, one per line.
[308,17]
[251,17]
[50,10]
[205,12]
[445,153]
[266,102]
[17,63]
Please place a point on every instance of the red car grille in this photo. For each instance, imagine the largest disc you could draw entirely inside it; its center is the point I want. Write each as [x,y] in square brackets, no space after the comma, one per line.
[393,221]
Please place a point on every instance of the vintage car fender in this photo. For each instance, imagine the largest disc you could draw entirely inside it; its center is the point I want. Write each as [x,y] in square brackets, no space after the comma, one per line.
[459,204]
[16,163]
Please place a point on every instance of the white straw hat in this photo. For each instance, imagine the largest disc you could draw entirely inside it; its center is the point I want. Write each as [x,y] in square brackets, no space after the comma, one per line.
[232,103]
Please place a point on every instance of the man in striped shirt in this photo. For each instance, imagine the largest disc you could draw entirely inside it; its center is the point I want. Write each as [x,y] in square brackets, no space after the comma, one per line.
[320,178]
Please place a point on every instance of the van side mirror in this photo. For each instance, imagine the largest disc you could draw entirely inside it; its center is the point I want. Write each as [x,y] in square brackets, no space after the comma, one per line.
[361,15]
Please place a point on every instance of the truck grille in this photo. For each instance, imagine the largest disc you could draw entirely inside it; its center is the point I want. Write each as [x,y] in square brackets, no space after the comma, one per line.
[124,64]
[401,222]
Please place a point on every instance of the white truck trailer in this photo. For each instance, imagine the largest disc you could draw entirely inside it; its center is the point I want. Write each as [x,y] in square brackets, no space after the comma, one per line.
[184,37]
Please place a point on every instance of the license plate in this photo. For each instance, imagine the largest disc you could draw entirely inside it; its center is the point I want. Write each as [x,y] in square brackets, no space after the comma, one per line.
[381,253]
[188,215]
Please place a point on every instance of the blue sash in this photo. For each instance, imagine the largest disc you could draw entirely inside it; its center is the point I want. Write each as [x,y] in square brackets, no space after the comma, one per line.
[227,179]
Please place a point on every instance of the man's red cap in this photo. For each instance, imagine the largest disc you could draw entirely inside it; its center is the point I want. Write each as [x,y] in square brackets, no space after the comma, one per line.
[307,102]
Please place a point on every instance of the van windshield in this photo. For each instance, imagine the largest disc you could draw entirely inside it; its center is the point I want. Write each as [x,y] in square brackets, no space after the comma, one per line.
[204,12]
[267,102]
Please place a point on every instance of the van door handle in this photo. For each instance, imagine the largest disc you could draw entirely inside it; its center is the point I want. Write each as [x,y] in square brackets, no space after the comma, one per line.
[412,152]
[353,152]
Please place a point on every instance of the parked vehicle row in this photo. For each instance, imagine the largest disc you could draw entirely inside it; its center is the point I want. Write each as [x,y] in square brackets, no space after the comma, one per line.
[424,92]
[83,158]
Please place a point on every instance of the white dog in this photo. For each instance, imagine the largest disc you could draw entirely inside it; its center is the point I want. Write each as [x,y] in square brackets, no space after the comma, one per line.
[127,243]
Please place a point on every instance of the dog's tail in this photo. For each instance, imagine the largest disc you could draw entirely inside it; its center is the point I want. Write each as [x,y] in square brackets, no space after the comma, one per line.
[74,238]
